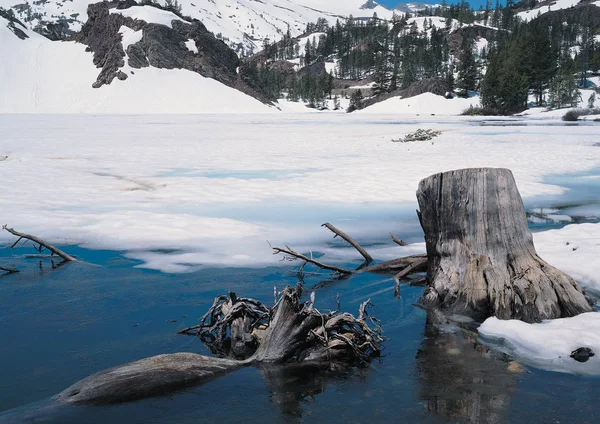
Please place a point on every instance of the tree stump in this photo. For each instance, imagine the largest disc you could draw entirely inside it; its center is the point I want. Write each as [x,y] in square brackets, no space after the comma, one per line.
[481,257]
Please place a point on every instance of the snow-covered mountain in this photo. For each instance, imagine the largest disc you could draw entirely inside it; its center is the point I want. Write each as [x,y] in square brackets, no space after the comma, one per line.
[414,7]
[243,24]
[42,76]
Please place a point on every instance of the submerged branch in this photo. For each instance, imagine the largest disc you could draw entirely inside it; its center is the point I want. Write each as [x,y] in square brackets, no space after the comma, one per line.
[9,270]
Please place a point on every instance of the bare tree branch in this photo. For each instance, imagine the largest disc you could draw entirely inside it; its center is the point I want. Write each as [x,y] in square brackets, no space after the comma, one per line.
[350,240]
[42,244]
[414,267]
[398,241]
[292,255]
[395,265]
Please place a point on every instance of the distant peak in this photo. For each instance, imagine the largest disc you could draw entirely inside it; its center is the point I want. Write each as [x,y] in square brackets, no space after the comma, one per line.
[370,4]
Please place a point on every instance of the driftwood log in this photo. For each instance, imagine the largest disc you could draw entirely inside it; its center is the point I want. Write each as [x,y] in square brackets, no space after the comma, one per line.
[248,333]
[481,257]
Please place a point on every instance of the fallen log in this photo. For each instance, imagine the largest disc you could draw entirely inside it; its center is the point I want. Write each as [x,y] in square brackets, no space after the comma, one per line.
[290,332]
[154,376]
[481,257]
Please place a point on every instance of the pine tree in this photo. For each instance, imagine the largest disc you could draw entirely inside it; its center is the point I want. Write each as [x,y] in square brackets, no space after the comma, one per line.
[356,101]
[467,70]
[563,90]
[308,53]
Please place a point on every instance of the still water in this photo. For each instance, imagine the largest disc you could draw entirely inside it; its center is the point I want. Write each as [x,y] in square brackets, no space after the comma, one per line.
[60,325]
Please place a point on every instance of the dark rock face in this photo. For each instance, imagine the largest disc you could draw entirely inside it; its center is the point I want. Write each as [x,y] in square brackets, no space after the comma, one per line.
[455,38]
[57,31]
[15,25]
[161,47]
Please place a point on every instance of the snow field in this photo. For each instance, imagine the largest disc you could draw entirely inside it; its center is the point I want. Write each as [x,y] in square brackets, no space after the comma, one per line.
[426,104]
[149,14]
[216,188]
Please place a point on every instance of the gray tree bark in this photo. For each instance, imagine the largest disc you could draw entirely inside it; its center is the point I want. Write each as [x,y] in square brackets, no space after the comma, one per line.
[481,257]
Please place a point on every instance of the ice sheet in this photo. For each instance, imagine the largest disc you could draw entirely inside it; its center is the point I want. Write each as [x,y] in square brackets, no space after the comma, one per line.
[218,187]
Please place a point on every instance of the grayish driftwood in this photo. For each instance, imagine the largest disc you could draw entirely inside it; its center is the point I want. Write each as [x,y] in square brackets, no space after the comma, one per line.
[389,267]
[398,241]
[350,240]
[147,377]
[291,332]
[399,264]
[40,242]
[481,255]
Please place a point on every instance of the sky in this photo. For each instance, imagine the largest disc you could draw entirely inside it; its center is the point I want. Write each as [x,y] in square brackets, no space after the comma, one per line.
[474,3]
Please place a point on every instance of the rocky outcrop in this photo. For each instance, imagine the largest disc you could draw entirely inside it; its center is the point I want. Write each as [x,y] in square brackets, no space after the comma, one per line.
[161,46]
[55,31]
[471,32]
[314,69]
[15,25]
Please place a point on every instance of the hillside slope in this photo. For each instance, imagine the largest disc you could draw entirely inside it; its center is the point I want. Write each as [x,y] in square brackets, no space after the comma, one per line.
[244,25]
[41,76]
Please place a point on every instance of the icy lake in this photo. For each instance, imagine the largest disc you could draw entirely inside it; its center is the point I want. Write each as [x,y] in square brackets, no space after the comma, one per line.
[166,212]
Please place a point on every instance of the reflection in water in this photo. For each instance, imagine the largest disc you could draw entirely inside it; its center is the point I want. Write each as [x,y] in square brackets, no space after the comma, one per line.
[290,387]
[460,379]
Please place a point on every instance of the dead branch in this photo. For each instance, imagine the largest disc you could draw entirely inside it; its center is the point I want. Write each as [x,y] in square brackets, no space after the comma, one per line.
[9,270]
[293,255]
[416,265]
[398,241]
[41,243]
[349,239]
[396,265]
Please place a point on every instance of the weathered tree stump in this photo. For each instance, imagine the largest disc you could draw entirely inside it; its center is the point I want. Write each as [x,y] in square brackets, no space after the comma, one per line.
[481,256]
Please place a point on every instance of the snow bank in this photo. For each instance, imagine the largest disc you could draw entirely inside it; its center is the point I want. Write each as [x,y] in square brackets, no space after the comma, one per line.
[149,14]
[574,249]
[191,46]
[33,79]
[423,104]
[129,36]
[548,345]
